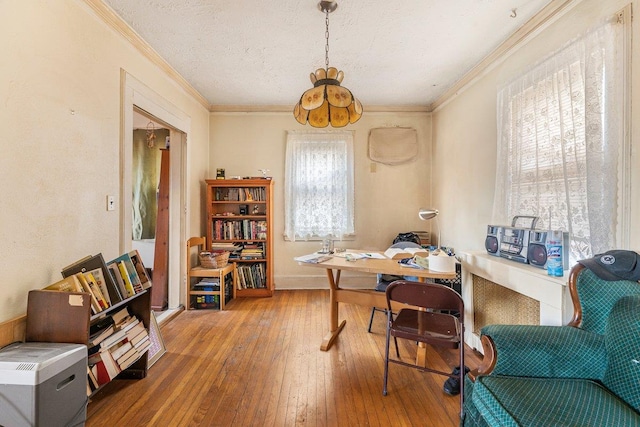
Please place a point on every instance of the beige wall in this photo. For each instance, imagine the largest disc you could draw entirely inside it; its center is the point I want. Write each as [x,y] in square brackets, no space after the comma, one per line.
[60,117]
[465,134]
[387,200]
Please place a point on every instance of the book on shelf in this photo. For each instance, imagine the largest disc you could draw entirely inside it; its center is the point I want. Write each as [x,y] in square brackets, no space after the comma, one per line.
[96,266]
[109,362]
[118,350]
[241,194]
[397,253]
[93,285]
[104,366]
[138,265]
[143,345]
[92,382]
[252,276]
[96,307]
[128,358]
[136,331]
[100,336]
[98,277]
[68,284]
[124,274]
[113,339]
[128,271]
[117,277]
[99,371]
[225,246]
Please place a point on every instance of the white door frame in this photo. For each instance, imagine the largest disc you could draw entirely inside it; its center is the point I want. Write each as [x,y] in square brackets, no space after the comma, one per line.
[134,92]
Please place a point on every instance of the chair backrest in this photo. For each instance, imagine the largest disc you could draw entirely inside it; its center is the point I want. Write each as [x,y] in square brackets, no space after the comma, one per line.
[622,340]
[193,242]
[425,295]
[593,298]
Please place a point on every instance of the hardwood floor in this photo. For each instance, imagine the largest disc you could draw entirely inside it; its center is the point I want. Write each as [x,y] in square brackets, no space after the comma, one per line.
[259,364]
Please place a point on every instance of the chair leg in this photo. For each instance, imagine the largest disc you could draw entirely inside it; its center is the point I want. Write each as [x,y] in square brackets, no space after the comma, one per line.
[461,379]
[386,355]
[373,311]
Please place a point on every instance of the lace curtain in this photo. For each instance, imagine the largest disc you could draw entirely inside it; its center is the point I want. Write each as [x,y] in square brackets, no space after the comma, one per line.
[559,140]
[319,185]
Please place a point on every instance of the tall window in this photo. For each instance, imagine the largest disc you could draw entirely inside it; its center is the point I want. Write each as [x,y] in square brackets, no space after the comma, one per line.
[560,140]
[319,185]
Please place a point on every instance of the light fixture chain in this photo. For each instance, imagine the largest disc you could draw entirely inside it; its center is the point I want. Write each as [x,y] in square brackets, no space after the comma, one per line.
[326,35]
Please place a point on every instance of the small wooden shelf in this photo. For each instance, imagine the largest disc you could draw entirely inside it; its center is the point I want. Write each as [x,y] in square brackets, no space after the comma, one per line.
[226,288]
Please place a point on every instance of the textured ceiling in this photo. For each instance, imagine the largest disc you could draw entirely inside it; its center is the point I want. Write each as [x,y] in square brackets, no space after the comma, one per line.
[400,53]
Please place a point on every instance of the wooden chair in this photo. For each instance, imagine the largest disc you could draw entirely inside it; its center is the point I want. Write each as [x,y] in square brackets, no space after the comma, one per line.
[195,270]
[434,315]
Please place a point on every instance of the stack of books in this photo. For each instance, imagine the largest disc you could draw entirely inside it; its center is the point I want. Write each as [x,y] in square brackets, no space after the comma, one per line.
[115,343]
[252,251]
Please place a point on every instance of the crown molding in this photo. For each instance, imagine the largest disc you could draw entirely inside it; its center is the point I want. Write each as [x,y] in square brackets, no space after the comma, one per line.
[116,23]
[541,20]
[289,109]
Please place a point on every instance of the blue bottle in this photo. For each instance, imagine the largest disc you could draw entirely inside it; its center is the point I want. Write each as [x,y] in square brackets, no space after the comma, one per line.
[554,253]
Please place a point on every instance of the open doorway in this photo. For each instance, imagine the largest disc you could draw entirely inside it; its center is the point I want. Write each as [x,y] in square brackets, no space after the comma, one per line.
[151,143]
[139,99]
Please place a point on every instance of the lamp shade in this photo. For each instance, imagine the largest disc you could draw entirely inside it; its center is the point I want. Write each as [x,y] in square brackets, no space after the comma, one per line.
[426,214]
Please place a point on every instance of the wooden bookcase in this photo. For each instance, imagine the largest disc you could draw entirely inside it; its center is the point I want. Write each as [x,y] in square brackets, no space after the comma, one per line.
[239,211]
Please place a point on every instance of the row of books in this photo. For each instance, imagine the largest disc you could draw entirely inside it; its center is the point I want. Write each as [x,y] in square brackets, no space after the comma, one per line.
[256,194]
[115,343]
[211,284]
[252,276]
[107,283]
[252,251]
[246,229]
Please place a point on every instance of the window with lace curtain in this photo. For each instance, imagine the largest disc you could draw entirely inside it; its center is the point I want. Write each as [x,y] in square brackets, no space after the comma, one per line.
[319,185]
[560,142]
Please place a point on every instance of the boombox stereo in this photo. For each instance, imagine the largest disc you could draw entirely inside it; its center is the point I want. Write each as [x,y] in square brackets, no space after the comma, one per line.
[514,243]
[492,241]
[537,250]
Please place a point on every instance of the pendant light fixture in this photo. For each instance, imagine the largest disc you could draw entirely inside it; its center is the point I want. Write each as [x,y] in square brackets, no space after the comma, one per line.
[327,103]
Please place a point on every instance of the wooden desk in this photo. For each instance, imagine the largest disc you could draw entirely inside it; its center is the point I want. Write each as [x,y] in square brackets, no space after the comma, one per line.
[368,297]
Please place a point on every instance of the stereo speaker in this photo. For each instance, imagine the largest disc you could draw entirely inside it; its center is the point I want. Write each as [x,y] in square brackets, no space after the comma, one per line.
[537,250]
[492,241]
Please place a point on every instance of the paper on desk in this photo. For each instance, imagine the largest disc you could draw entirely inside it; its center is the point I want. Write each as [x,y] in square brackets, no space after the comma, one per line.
[314,258]
[353,254]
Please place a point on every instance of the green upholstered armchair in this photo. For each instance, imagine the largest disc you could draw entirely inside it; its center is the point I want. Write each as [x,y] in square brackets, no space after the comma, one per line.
[584,374]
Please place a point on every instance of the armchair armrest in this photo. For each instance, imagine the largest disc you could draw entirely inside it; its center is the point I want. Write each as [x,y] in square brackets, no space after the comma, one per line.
[542,351]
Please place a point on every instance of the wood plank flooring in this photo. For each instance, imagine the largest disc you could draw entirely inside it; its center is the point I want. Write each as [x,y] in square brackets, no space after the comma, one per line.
[259,364]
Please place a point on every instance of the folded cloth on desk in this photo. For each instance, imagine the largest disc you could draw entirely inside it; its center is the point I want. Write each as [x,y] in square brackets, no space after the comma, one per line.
[442,262]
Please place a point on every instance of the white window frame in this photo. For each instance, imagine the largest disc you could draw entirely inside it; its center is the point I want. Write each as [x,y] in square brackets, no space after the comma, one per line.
[305,181]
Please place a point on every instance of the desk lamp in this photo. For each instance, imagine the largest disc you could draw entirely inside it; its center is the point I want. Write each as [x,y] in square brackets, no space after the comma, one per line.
[427,214]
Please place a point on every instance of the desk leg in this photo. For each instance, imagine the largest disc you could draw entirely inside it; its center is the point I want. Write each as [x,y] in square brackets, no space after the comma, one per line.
[335,329]
[421,354]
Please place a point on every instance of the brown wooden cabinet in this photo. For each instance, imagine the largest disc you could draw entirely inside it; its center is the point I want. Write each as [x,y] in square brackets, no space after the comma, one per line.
[239,211]
[54,316]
